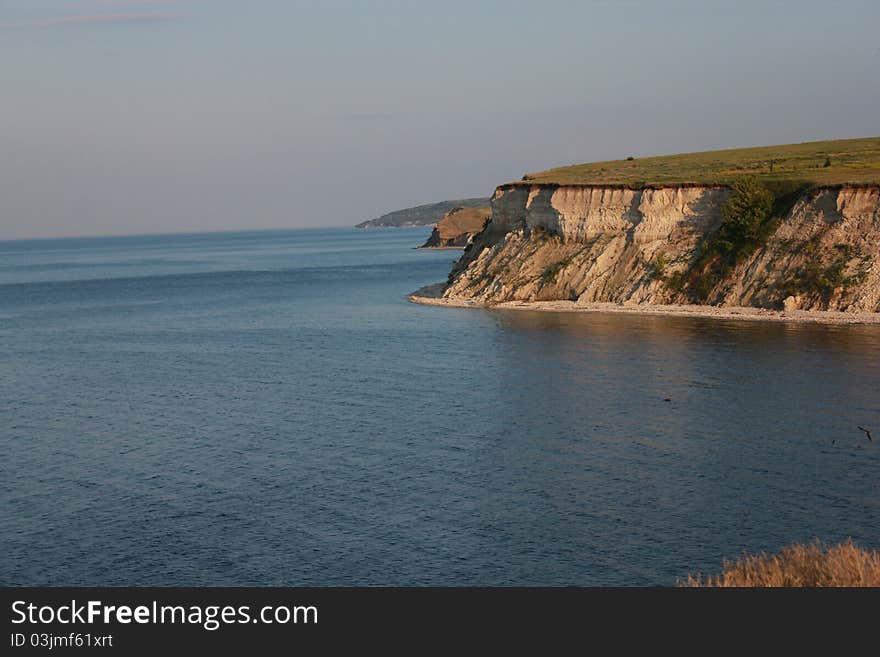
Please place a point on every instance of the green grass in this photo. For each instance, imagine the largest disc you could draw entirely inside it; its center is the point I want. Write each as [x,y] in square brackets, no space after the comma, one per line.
[819,162]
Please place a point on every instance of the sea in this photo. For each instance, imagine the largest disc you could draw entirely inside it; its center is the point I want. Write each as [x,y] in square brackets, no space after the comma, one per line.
[268,408]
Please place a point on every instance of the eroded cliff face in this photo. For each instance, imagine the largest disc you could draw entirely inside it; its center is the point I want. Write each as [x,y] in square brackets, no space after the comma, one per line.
[588,243]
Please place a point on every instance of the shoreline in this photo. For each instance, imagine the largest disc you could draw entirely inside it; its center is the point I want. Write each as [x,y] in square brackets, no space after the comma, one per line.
[438,248]
[430,296]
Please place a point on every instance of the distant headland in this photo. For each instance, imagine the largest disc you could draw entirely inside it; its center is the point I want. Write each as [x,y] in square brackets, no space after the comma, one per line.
[422,215]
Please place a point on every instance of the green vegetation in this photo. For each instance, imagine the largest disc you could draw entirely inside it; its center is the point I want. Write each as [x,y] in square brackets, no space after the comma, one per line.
[815,279]
[800,565]
[658,267]
[820,163]
[748,217]
[550,272]
[746,210]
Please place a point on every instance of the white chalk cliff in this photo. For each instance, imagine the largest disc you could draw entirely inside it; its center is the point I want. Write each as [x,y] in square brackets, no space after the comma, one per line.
[601,243]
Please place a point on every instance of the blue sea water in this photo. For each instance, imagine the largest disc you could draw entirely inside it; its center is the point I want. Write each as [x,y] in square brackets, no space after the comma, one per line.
[267,408]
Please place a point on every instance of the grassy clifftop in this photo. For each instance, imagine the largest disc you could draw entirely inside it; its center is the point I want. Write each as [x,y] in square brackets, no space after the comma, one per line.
[819,162]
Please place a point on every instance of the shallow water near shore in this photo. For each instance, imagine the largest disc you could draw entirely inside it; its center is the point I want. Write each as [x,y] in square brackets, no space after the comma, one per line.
[268,408]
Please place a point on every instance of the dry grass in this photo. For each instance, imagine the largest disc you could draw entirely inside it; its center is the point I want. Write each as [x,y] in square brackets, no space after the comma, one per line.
[819,162]
[845,564]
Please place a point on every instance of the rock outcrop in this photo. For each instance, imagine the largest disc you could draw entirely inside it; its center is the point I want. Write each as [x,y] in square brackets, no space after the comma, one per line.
[421,215]
[588,243]
[458,227]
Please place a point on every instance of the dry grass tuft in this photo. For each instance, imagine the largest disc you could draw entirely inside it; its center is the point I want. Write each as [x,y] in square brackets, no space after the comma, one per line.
[845,564]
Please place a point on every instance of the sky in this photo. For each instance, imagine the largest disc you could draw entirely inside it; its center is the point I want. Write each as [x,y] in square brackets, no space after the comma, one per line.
[151,116]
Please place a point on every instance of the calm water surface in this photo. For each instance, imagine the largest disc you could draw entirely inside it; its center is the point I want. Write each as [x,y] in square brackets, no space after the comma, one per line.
[267,408]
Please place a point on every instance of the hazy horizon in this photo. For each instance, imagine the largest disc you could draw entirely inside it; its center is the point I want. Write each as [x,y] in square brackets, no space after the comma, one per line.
[127,117]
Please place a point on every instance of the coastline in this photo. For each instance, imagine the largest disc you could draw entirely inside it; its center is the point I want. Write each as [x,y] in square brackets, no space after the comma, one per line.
[439,248]
[430,296]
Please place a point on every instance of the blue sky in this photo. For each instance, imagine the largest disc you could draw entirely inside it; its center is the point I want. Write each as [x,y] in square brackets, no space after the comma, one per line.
[127,116]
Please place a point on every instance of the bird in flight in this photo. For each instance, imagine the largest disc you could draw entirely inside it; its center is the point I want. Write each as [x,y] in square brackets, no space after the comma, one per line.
[867,433]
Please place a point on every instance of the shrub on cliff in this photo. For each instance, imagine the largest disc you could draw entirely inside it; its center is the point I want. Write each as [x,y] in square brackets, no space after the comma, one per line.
[819,278]
[747,218]
[845,564]
[744,213]
[658,267]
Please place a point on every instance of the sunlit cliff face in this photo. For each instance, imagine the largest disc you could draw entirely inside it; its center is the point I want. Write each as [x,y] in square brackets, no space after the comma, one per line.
[588,244]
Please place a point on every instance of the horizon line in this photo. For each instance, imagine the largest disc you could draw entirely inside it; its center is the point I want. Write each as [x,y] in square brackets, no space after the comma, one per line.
[221,231]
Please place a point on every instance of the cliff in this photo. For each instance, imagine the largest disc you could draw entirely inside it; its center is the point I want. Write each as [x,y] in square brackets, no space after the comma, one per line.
[421,215]
[651,245]
[458,227]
